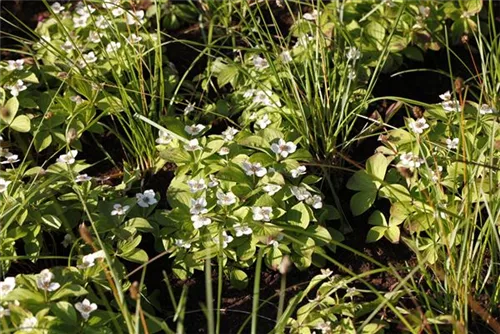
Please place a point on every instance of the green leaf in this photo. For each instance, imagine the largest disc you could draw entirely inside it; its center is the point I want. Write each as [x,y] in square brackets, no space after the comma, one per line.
[21,123]
[64,311]
[71,290]
[376,33]
[140,224]
[52,221]
[392,233]
[138,256]
[472,7]
[395,193]
[232,173]
[2,96]
[25,295]
[361,181]
[42,140]
[375,233]
[362,201]
[377,218]
[239,279]
[298,215]
[376,165]
[9,110]
[301,155]
[176,155]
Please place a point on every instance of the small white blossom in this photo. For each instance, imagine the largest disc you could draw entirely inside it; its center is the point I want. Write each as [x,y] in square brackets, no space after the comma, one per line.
[312,16]
[4,184]
[260,63]
[196,185]
[117,11]
[452,144]
[409,160]
[300,193]
[353,53]
[4,312]
[102,23]
[90,57]
[229,133]
[28,324]
[194,129]
[44,281]
[262,213]
[435,175]
[164,138]
[446,96]
[452,105]
[18,87]
[76,98]
[6,286]
[83,178]
[119,210]
[254,169]
[135,17]
[486,109]
[325,327]
[199,221]
[110,4]
[89,259]
[262,97]
[275,241]
[189,108]
[67,46]
[315,201]
[419,125]
[223,151]
[57,8]
[146,199]
[272,189]
[283,148]
[214,182]
[226,239]
[192,145]
[183,244]
[263,122]
[241,230]
[94,37]
[68,240]
[286,57]
[225,198]
[134,39]
[113,47]
[295,173]
[11,158]
[85,308]
[83,9]
[80,21]
[68,158]
[15,64]
[198,206]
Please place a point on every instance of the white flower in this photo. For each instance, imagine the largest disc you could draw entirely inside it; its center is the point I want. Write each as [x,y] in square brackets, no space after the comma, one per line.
[134,18]
[4,312]
[189,108]
[419,125]
[182,243]
[6,286]
[68,158]
[408,160]
[19,86]
[241,230]
[11,158]
[283,148]
[15,64]
[196,185]
[192,145]
[263,122]
[271,189]
[452,144]
[90,57]
[225,198]
[214,182]
[262,97]
[300,193]
[435,175]
[224,151]
[353,53]
[44,281]
[229,133]
[164,138]
[198,206]
[110,4]
[113,47]
[80,21]
[200,221]
[57,8]
[94,37]
[117,11]
[274,241]
[102,23]
[286,57]
[194,129]
[119,210]
[89,259]
[83,178]
[67,46]
[76,98]
[446,96]
[452,105]
[85,308]
[260,63]
[262,213]
[133,39]
[146,199]
[324,327]
[3,184]
[295,173]
[83,9]
[312,16]
[28,324]
[68,240]
[315,201]
[254,169]
[226,239]
[486,109]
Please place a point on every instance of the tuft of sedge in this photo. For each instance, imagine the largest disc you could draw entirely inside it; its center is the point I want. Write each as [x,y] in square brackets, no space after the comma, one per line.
[134,290]
[85,234]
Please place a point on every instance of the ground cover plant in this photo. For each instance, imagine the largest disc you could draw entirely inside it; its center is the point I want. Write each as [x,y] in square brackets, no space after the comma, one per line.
[232,167]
